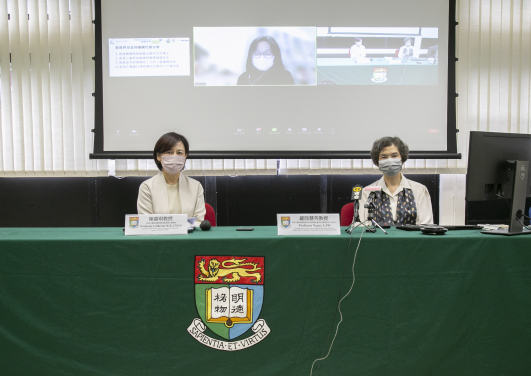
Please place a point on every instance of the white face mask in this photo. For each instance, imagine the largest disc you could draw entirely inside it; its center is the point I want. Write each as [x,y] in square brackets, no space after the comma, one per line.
[390,167]
[173,164]
[263,64]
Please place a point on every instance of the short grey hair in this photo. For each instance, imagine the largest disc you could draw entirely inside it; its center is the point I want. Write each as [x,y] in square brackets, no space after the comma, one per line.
[384,142]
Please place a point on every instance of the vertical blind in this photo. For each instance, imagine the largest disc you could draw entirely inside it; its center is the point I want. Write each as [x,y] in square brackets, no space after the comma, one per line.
[47,81]
[46,104]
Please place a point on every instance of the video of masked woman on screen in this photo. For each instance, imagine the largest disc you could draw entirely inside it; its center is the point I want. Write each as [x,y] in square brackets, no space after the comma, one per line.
[254,56]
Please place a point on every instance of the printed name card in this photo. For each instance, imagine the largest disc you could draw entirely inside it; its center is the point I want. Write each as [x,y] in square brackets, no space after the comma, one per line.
[156,224]
[308,224]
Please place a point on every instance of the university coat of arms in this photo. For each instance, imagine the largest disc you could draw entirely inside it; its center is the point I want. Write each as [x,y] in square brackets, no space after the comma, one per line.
[133,222]
[379,75]
[229,294]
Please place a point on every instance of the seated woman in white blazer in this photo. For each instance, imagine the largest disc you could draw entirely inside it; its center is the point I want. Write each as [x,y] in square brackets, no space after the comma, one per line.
[171,192]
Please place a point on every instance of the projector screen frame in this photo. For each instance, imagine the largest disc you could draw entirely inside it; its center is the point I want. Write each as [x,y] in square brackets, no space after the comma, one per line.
[452,130]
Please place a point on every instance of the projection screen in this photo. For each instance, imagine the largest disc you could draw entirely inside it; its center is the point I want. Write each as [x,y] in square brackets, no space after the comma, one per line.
[282,79]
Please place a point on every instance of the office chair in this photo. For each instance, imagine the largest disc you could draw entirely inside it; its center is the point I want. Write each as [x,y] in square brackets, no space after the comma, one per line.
[210,214]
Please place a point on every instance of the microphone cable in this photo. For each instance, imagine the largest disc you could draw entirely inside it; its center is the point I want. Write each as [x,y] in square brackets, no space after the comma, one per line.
[402,76]
[524,226]
[339,302]
[517,217]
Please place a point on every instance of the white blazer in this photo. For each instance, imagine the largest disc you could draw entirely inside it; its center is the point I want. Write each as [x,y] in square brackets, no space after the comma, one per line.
[153,197]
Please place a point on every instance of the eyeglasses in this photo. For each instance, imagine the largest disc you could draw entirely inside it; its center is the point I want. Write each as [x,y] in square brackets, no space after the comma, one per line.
[267,54]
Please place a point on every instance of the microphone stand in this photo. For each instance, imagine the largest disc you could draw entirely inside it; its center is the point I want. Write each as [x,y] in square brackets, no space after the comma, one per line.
[356,216]
[356,221]
[353,225]
[376,223]
[370,216]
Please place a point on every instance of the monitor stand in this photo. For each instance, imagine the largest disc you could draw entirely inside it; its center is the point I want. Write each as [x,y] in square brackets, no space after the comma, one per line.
[521,175]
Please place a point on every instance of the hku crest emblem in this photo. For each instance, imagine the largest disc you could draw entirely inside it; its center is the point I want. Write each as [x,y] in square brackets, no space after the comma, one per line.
[133,222]
[379,75]
[229,294]
[285,221]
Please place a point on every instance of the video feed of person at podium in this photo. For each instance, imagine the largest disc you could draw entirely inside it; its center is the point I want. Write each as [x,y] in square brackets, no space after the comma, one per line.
[377,56]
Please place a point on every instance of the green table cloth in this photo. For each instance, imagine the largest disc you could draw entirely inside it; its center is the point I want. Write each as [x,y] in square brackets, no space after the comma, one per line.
[343,71]
[90,301]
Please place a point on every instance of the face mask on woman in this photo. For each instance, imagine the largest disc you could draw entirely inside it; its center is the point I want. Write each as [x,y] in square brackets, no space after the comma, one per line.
[390,167]
[173,164]
[263,64]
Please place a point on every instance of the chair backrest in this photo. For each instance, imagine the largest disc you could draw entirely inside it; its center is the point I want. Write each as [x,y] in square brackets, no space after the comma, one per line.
[210,214]
[347,212]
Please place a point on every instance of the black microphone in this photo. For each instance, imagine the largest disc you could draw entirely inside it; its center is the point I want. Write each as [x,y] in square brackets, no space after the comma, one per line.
[205,225]
[370,200]
[356,192]
[356,196]
[372,189]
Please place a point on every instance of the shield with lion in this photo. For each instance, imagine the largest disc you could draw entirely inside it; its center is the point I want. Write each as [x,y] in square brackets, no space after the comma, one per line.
[229,293]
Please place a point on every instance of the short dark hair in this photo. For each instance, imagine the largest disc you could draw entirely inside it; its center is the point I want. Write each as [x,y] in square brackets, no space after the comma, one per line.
[384,142]
[167,142]
[357,39]
[405,41]
[275,49]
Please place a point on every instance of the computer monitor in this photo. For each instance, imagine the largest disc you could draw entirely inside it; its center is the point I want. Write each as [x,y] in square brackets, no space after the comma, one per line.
[498,168]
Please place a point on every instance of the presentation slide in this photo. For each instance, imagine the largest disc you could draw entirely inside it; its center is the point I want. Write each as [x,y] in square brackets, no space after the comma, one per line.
[300,76]
[149,57]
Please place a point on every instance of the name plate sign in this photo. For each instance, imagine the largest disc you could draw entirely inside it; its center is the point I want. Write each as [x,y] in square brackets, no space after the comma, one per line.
[156,224]
[308,224]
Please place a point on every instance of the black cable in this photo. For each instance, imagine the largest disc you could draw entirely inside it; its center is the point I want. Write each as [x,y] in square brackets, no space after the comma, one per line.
[507,202]
[527,227]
